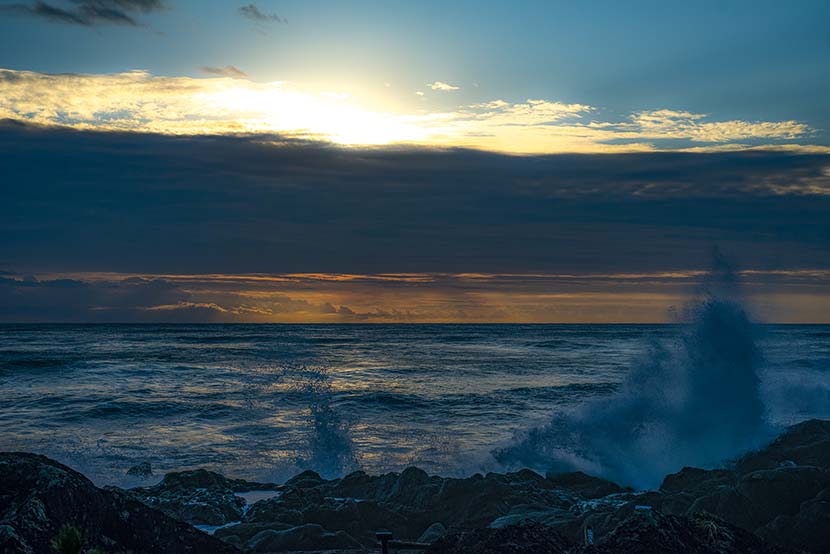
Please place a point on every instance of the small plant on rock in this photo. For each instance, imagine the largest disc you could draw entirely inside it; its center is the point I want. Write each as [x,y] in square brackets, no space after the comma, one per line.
[69,540]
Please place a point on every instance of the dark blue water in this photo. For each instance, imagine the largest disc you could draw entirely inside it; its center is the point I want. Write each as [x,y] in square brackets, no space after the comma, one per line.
[260,401]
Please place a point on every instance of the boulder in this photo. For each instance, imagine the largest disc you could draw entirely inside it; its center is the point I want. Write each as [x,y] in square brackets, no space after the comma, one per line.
[781,491]
[584,485]
[804,444]
[650,532]
[524,538]
[199,497]
[807,529]
[38,496]
[144,470]
[695,481]
[303,537]
[432,533]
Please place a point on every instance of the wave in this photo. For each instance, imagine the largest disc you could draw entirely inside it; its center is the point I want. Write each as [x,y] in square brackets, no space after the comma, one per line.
[329,448]
[694,401]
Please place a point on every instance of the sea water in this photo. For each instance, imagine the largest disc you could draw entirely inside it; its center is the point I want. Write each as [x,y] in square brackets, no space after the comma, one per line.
[264,401]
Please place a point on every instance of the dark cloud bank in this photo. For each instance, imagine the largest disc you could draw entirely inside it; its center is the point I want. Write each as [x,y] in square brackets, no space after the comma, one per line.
[84,201]
[134,203]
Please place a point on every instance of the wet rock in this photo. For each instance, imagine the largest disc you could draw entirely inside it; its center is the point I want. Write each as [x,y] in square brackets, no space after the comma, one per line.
[807,529]
[303,537]
[242,532]
[585,485]
[695,481]
[144,470]
[526,538]
[781,491]
[199,497]
[413,488]
[649,532]
[521,514]
[432,533]
[803,444]
[306,479]
[774,492]
[38,496]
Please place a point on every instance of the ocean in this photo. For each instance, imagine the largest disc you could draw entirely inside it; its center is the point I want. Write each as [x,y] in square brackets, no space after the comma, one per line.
[264,401]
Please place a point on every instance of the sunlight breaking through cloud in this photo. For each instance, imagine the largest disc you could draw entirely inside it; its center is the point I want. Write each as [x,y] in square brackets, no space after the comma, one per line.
[139,101]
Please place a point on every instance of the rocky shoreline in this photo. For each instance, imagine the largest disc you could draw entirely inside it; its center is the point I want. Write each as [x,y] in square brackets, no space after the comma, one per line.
[776,500]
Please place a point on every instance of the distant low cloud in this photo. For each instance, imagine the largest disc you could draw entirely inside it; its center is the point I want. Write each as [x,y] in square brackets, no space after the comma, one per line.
[253,13]
[440,85]
[227,71]
[333,298]
[86,12]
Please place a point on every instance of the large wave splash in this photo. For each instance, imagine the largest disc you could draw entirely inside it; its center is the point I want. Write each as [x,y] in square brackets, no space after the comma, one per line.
[696,401]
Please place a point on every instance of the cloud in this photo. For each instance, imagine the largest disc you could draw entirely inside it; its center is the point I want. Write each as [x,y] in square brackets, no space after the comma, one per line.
[679,125]
[227,104]
[253,13]
[227,71]
[253,228]
[439,85]
[86,12]
[540,298]
[78,200]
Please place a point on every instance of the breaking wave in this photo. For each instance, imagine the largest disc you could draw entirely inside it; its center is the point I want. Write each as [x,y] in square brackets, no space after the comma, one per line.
[694,401]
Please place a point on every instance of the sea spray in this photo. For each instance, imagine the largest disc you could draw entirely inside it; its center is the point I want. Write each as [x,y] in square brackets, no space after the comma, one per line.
[695,401]
[329,449]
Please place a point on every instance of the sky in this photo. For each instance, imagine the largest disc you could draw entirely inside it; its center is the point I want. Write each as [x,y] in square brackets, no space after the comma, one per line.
[172,160]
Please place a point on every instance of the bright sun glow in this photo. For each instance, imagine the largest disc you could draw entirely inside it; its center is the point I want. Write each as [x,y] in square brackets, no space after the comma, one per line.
[274,107]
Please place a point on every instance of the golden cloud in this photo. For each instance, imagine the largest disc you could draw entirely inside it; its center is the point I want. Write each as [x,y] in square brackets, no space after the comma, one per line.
[139,101]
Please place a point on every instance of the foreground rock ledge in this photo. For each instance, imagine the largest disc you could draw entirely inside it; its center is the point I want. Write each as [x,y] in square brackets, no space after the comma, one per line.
[38,496]
[773,501]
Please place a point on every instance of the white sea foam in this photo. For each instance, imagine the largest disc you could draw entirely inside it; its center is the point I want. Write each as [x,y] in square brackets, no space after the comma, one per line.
[696,401]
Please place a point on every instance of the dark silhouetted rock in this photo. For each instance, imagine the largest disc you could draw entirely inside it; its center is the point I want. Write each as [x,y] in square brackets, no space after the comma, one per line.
[199,497]
[525,538]
[144,470]
[38,496]
[303,537]
[650,532]
[774,492]
[432,533]
[804,444]
[585,485]
[781,491]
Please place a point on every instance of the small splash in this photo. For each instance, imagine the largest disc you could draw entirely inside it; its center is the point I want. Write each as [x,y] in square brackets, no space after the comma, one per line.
[695,401]
[329,448]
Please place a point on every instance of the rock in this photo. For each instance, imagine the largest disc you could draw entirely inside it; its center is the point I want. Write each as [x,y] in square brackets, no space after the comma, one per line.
[654,533]
[412,488]
[305,479]
[807,529]
[38,496]
[781,491]
[694,481]
[585,485]
[303,537]
[242,532]
[730,505]
[199,497]
[432,533]
[525,538]
[143,470]
[520,514]
[804,444]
